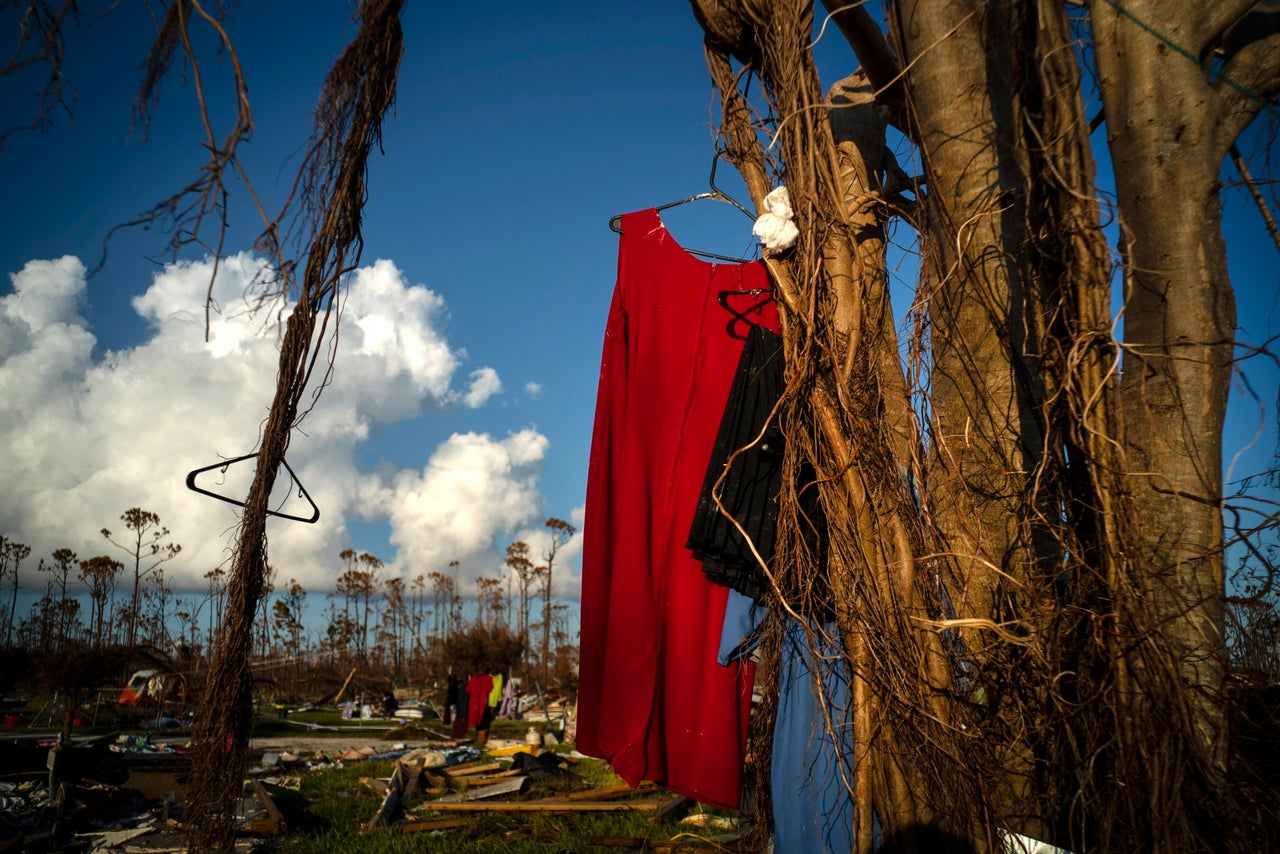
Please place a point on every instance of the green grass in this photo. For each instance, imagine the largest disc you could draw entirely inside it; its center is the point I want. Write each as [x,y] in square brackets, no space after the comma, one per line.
[326,815]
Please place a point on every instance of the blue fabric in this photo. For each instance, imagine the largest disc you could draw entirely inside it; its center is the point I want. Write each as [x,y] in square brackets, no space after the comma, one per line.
[812,806]
[740,633]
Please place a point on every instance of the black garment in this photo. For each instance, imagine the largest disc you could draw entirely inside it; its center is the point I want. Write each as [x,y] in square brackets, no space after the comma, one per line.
[749,491]
[751,485]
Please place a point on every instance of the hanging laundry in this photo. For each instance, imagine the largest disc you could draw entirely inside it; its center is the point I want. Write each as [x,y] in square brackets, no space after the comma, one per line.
[745,473]
[750,437]
[478,688]
[451,698]
[653,701]
[811,763]
[812,760]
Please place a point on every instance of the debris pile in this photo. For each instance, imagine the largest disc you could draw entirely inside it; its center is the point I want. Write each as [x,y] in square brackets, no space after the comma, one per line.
[126,795]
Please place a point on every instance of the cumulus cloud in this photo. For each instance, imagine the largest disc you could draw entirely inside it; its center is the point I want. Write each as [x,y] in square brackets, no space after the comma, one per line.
[533,389]
[84,437]
[484,385]
[473,488]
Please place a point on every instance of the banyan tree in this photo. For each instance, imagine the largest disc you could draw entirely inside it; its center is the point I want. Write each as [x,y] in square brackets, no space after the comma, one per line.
[1022,484]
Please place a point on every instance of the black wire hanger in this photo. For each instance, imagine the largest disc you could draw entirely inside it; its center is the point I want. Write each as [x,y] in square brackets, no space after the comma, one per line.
[226,464]
[719,195]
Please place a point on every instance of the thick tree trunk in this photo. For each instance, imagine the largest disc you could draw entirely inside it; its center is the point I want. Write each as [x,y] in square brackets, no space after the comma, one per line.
[1179,332]
[963,108]
[963,98]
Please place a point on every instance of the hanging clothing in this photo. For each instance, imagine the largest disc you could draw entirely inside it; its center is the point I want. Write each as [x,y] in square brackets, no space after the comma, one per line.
[811,775]
[495,693]
[460,718]
[451,698]
[508,699]
[749,488]
[478,688]
[812,765]
[652,699]
[747,463]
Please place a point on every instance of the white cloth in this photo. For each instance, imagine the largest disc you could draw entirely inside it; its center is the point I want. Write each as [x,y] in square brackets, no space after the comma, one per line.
[775,227]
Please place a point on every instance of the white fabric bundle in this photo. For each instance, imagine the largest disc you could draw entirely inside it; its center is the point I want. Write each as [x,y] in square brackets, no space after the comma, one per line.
[775,227]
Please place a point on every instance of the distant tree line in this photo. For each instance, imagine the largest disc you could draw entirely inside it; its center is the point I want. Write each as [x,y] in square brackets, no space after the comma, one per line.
[386,628]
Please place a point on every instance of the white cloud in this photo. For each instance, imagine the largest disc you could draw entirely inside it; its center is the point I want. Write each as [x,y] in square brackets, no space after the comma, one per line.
[472,489]
[484,385]
[85,437]
[533,389]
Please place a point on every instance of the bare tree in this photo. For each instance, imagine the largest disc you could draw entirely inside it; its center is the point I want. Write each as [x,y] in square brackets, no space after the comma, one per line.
[560,533]
[148,549]
[100,575]
[12,554]
[519,565]
[217,579]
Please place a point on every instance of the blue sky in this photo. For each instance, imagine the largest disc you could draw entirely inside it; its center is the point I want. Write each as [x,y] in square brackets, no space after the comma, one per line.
[518,131]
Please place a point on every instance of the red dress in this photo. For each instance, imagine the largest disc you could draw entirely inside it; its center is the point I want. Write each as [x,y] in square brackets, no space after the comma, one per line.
[652,699]
[478,688]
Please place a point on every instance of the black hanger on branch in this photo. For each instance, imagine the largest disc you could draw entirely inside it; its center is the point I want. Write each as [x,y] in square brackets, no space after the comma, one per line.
[226,464]
[719,195]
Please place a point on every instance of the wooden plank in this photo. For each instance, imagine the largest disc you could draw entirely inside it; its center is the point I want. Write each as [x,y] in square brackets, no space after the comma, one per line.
[271,825]
[604,793]
[412,772]
[378,785]
[391,800]
[488,779]
[542,806]
[660,846]
[471,768]
[436,824]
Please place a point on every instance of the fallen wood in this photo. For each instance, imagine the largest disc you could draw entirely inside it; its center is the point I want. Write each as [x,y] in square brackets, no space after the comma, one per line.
[436,824]
[378,785]
[661,846]
[488,779]
[542,806]
[603,793]
[338,697]
[273,823]
[471,768]
[396,787]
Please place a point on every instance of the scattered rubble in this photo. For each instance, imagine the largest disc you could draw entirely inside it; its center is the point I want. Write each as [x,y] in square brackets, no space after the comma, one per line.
[126,794]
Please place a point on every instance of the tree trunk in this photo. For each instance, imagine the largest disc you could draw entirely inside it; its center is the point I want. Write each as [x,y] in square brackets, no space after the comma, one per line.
[1179,332]
[984,441]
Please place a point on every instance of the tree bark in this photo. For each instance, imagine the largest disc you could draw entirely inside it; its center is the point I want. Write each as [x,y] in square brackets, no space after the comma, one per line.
[1179,331]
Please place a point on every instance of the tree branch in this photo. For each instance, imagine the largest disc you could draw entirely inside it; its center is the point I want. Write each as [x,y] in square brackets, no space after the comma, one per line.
[1216,18]
[1246,87]
[869,45]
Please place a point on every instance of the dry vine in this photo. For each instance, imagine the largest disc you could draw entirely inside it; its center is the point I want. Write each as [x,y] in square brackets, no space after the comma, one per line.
[358,91]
